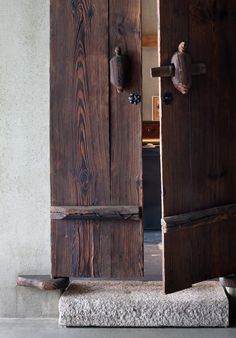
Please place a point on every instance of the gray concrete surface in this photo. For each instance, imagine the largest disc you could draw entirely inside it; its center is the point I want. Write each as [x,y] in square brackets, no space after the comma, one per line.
[24,156]
[49,329]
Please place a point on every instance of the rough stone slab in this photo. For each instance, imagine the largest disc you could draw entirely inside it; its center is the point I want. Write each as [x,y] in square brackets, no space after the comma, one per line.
[142,304]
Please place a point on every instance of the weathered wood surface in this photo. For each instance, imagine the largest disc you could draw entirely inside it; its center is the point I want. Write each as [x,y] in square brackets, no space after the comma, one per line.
[131,212]
[126,119]
[43,282]
[95,138]
[164,71]
[202,217]
[119,70]
[197,253]
[126,132]
[198,140]
[168,71]
[182,78]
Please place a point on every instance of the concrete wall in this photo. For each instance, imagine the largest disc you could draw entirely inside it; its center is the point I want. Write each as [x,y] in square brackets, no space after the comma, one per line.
[24,155]
[24,151]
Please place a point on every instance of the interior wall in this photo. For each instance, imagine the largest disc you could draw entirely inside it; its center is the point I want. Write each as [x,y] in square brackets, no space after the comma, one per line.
[150,56]
[24,162]
[24,149]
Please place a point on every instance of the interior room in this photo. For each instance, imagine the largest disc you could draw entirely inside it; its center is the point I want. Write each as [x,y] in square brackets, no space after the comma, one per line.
[151,144]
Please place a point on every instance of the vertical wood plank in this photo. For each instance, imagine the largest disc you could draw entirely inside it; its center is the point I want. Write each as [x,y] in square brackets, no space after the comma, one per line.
[126,122]
[79,103]
[80,161]
[175,118]
[212,111]
[126,137]
[89,135]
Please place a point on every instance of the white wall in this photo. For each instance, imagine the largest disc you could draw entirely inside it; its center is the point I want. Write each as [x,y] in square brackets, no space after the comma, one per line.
[149,56]
[24,156]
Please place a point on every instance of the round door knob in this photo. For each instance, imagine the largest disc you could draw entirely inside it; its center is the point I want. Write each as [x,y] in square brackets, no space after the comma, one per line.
[134,98]
[167,98]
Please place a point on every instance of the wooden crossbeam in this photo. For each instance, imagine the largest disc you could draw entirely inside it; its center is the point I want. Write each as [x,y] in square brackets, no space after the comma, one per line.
[201,217]
[43,282]
[96,212]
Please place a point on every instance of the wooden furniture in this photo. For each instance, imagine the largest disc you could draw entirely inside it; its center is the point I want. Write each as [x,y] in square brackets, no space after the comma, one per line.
[151,132]
[149,41]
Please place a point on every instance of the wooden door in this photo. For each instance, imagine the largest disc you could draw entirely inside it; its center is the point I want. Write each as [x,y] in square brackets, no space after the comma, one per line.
[198,141]
[96,167]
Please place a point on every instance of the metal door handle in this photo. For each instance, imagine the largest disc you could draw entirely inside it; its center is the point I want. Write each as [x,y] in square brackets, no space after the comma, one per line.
[180,70]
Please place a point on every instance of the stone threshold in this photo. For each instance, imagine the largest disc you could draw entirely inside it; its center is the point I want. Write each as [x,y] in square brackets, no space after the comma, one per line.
[142,304]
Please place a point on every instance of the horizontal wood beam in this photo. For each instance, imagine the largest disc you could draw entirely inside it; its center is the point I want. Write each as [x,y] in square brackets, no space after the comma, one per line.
[169,71]
[201,217]
[164,71]
[43,282]
[120,212]
[149,41]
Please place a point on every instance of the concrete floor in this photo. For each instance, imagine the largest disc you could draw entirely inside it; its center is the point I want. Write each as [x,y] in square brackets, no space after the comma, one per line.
[48,328]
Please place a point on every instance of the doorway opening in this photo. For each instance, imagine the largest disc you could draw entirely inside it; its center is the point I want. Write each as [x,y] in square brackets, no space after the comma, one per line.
[151,146]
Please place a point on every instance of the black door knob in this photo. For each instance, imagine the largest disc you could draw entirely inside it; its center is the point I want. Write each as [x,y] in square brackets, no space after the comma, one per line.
[134,98]
[167,98]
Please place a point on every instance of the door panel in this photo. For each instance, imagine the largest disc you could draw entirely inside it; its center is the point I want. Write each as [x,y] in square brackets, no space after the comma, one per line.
[95,141]
[198,143]
[126,120]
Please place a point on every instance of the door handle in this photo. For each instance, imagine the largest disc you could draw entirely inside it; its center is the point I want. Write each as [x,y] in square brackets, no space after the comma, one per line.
[119,70]
[180,70]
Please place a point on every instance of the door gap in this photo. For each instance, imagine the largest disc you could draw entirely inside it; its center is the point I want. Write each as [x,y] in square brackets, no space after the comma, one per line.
[151,145]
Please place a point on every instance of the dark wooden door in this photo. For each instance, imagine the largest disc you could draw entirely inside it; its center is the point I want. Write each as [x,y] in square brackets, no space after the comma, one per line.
[198,140]
[96,167]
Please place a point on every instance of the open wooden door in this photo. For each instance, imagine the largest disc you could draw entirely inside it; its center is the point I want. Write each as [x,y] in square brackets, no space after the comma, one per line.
[96,166]
[198,144]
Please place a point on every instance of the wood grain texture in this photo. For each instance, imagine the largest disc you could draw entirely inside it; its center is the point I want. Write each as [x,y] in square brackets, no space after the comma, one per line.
[131,212]
[43,282]
[202,217]
[126,130]
[168,71]
[82,141]
[79,103]
[107,249]
[126,119]
[79,115]
[198,143]
[198,253]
